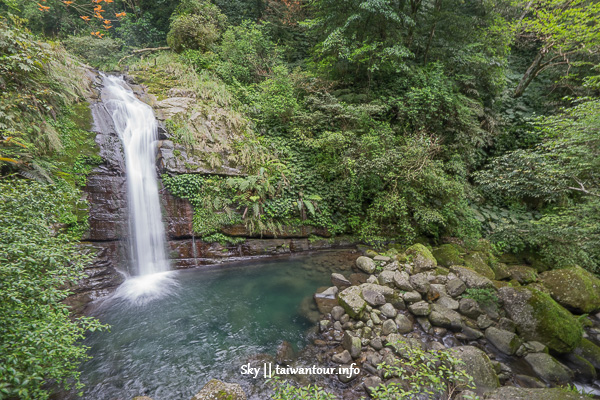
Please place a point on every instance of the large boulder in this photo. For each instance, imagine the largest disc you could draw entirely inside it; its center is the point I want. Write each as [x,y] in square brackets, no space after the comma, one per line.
[538,317]
[352,302]
[366,264]
[478,365]
[478,262]
[548,369]
[514,393]
[574,288]
[218,390]
[448,255]
[471,278]
[422,258]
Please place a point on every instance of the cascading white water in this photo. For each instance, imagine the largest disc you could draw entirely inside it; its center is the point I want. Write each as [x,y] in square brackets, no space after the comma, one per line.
[135,123]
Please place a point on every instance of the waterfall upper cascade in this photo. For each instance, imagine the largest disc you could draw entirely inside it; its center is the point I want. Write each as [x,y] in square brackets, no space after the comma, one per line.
[136,125]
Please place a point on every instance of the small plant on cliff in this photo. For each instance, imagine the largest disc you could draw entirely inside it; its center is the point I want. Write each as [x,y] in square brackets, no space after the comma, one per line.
[423,372]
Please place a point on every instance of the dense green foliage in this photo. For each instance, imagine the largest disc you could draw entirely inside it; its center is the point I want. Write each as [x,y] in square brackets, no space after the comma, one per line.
[39,258]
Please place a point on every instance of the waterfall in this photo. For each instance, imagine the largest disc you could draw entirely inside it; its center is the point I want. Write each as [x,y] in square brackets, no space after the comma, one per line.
[136,126]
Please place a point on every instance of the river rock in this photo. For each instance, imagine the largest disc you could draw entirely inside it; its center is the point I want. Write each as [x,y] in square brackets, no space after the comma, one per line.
[478,262]
[589,351]
[373,298]
[540,318]
[375,318]
[514,393]
[337,312]
[471,333]
[582,367]
[388,310]
[505,341]
[346,377]
[448,302]
[352,302]
[389,326]
[420,282]
[438,319]
[422,258]
[470,308]
[372,382]
[342,358]
[216,389]
[548,369]
[484,322]
[448,255]
[366,264]
[340,281]
[522,274]
[386,291]
[574,288]
[403,323]
[421,308]
[386,278]
[455,287]
[500,271]
[412,297]
[454,317]
[285,353]
[402,280]
[477,364]
[471,278]
[352,344]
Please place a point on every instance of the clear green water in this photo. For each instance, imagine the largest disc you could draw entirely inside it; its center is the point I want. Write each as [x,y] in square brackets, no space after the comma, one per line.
[209,325]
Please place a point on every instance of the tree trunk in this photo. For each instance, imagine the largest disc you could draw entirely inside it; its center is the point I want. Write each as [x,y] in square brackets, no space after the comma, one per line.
[534,69]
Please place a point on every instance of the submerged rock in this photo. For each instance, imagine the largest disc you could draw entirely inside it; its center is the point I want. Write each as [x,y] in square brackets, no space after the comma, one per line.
[218,390]
[540,318]
[574,288]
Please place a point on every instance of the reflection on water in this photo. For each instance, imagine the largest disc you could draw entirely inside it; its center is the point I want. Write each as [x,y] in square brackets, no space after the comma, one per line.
[212,322]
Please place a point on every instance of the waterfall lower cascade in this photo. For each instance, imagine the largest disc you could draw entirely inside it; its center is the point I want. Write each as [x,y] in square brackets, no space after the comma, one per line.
[136,125]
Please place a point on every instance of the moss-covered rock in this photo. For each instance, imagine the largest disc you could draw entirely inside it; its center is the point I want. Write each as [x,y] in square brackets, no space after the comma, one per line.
[478,262]
[574,288]
[448,255]
[589,351]
[421,257]
[352,302]
[538,317]
[501,271]
[477,364]
[218,390]
[522,274]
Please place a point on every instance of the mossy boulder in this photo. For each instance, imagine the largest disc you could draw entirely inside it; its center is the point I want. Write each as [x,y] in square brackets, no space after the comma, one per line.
[574,288]
[448,255]
[589,351]
[538,317]
[501,271]
[478,262]
[422,258]
[477,364]
[522,274]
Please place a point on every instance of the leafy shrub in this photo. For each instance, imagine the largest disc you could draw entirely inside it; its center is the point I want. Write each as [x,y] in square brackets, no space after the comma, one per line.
[98,52]
[430,372]
[485,297]
[284,390]
[39,342]
[139,31]
[197,25]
